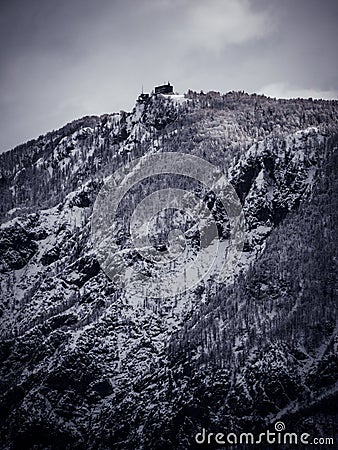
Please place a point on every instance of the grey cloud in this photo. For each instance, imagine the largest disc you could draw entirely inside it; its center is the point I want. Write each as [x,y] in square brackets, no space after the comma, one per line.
[61,60]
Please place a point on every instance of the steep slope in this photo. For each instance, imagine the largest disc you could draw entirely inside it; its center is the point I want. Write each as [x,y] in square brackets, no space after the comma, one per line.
[276,328]
[62,160]
[85,365]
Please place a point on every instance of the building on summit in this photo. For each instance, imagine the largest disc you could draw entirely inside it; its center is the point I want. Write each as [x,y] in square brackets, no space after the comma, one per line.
[164,89]
[143,97]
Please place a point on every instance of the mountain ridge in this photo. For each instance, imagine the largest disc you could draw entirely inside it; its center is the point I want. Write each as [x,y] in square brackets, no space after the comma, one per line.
[84,365]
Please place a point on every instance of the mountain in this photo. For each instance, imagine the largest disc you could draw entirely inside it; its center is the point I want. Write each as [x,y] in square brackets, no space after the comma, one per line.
[85,364]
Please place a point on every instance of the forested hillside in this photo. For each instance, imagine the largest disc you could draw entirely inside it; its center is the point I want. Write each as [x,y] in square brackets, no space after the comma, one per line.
[87,365]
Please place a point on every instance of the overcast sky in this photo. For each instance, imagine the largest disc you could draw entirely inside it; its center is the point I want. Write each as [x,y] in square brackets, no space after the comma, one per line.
[64,59]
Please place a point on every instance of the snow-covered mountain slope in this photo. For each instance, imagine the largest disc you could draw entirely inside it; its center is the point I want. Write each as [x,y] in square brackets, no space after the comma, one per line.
[86,365]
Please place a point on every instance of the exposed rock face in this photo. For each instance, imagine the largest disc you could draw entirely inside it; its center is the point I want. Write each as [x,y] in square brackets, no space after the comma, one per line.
[85,365]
